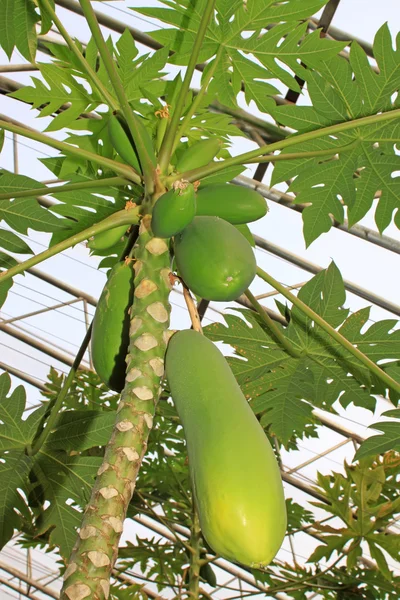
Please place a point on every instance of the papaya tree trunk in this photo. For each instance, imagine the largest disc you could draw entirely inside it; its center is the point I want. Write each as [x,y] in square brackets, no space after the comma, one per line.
[95,552]
[195,560]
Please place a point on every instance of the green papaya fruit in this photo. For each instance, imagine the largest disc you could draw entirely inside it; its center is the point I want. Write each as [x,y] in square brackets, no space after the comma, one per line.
[110,332]
[173,211]
[207,573]
[214,259]
[123,143]
[146,139]
[107,239]
[233,203]
[235,477]
[198,155]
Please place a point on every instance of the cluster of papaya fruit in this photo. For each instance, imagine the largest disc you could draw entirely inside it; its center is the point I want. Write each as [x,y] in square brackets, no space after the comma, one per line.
[214,258]
[235,476]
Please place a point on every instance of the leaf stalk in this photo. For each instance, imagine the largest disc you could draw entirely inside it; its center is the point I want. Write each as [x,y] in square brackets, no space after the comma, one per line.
[274,329]
[170,135]
[85,65]
[67,187]
[122,217]
[338,337]
[37,136]
[41,439]
[291,140]
[147,166]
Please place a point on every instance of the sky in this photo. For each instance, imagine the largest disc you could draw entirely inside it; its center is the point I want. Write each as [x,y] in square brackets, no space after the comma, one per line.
[360,262]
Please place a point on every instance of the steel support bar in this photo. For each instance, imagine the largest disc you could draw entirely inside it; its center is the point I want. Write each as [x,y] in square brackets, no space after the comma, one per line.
[306,265]
[40,312]
[366,234]
[329,421]
[32,582]
[26,339]
[23,376]
[18,68]
[61,285]
[318,456]
[17,589]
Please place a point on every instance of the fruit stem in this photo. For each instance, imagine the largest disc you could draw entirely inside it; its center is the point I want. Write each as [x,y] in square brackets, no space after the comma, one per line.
[32,134]
[66,187]
[122,217]
[169,138]
[85,65]
[54,410]
[146,164]
[338,337]
[192,308]
[273,327]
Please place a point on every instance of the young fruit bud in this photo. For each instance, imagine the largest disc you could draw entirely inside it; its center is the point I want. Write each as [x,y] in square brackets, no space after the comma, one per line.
[107,239]
[199,155]
[174,210]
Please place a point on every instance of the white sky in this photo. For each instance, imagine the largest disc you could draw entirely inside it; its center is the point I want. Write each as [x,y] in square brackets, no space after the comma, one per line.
[365,264]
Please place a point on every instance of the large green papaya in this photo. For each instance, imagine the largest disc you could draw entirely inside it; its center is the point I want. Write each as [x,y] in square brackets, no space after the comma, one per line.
[235,476]
[214,259]
[107,239]
[173,211]
[233,203]
[110,332]
[199,155]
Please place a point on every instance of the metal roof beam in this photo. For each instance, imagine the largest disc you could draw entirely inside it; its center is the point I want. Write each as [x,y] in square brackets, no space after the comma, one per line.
[23,376]
[31,341]
[366,234]
[307,265]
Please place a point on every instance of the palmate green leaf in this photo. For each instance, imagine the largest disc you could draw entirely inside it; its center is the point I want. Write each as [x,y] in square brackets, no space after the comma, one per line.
[378,444]
[63,478]
[285,41]
[24,213]
[6,262]
[14,470]
[81,430]
[356,498]
[342,91]
[297,516]
[278,384]
[62,88]
[84,209]
[15,433]
[11,242]
[17,27]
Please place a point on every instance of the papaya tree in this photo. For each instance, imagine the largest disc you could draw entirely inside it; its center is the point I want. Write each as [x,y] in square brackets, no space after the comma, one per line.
[145,176]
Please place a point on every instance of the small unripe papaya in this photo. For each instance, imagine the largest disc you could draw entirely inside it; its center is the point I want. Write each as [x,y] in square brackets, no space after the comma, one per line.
[235,476]
[146,139]
[207,573]
[107,239]
[174,210]
[110,331]
[233,203]
[123,143]
[199,155]
[214,259]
